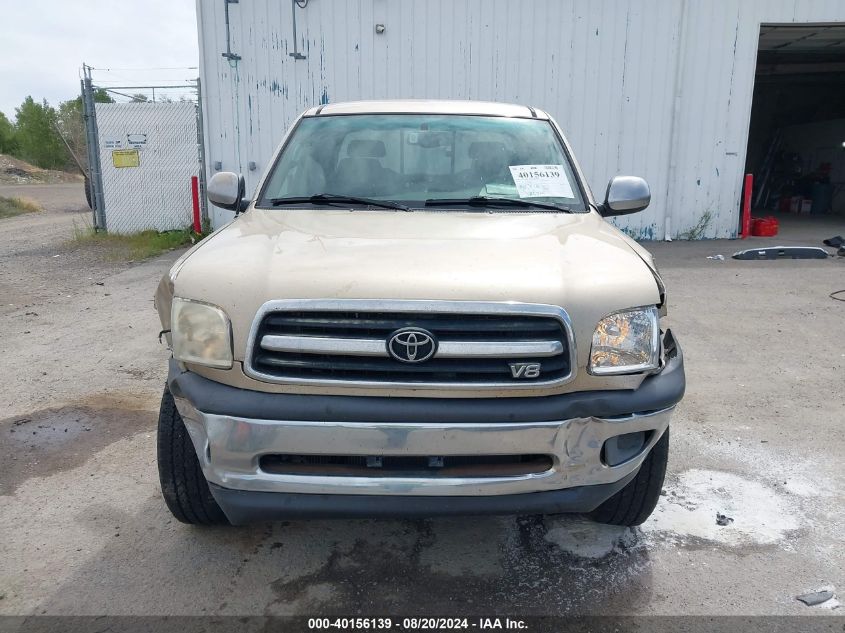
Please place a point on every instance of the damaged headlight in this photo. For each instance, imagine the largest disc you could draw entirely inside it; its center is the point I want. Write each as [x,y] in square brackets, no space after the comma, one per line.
[201,334]
[626,342]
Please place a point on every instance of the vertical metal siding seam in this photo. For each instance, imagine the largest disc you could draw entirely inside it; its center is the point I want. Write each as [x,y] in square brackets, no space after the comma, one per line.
[608,124]
[579,122]
[527,68]
[674,133]
[403,78]
[707,136]
[582,44]
[632,114]
[715,202]
[509,57]
[550,60]
[340,51]
[708,133]
[622,90]
[651,98]
[451,39]
[514,53]
[732,211]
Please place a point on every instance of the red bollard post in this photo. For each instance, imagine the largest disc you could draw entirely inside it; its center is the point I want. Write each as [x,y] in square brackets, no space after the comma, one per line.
[195,198]
[746,205]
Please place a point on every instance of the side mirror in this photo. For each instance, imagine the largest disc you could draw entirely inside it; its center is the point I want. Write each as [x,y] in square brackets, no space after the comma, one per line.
[625,194]
[226,190]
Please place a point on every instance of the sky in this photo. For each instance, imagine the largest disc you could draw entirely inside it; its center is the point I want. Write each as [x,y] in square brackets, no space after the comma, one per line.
[43,44]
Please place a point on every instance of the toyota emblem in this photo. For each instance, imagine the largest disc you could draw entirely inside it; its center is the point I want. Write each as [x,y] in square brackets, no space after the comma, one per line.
[411,345]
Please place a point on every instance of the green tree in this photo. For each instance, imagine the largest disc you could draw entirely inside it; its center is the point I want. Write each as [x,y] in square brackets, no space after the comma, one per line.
[73,127]
[35,132]
[100,96]
[8,141]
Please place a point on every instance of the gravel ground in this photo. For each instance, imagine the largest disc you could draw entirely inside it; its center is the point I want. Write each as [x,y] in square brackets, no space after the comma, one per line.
[758,438]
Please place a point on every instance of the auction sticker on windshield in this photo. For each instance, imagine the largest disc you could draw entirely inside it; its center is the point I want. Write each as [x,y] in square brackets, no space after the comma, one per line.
[541,181]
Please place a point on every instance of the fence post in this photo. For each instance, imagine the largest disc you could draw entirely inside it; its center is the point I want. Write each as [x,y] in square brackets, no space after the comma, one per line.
[201,154]
[95,174]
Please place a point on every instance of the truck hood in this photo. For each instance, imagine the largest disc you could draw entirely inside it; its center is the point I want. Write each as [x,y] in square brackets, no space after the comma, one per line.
[575,261]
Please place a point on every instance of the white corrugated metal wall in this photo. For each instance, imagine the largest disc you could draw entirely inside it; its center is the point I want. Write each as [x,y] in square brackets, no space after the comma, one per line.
[656,88]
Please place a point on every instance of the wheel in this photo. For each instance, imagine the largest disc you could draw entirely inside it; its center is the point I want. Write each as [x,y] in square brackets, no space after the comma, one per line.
[636,501]
[183,485]
[89,194]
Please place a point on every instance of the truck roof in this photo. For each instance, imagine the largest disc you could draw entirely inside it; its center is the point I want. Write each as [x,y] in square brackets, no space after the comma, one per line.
[428,106]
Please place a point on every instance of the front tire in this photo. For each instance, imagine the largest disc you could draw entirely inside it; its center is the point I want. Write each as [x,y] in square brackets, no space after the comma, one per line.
[183,485]
[636,501]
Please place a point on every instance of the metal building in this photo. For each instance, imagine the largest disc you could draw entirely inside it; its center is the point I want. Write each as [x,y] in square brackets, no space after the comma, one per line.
[657,88]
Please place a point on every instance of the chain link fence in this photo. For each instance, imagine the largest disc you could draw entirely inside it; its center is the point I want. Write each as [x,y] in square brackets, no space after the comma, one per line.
[142,156]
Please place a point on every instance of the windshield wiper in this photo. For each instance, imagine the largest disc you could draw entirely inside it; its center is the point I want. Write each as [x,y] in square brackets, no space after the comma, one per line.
[487,201]
[331,198]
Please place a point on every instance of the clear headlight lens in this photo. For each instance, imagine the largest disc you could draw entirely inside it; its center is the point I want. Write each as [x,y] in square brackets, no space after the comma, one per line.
[626,342]
[201,334]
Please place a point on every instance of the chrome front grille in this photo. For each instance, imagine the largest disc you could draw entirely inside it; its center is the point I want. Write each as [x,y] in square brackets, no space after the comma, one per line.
[346,342]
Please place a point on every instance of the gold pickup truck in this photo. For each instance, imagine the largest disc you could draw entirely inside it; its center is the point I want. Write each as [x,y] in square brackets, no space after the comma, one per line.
[421,311]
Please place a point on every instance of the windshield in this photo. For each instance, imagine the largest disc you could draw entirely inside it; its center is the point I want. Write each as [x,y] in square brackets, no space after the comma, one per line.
[421,159]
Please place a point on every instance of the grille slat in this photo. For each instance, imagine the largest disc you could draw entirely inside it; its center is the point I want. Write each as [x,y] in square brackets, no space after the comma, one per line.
[314,365]
[449,326]
[345,363]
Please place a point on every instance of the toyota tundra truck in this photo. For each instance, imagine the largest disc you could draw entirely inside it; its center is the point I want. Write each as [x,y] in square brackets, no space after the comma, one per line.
[421,311]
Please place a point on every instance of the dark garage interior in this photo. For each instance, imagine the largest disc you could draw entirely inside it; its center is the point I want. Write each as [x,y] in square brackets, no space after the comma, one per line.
[796,143]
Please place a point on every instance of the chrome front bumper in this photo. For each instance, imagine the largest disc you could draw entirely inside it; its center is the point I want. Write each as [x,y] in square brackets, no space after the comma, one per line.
[230,449]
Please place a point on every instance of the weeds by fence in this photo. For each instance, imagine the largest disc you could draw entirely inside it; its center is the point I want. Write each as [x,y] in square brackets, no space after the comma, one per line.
[134,247]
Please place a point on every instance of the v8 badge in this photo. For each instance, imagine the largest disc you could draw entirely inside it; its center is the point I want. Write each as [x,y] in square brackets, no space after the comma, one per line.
[525,370]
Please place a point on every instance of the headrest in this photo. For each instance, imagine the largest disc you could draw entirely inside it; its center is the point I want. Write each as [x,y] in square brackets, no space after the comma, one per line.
[366,149]
[480,149]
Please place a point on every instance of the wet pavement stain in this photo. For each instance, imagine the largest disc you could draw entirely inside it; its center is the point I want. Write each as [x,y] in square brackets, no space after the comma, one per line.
[535,576]
[44,442]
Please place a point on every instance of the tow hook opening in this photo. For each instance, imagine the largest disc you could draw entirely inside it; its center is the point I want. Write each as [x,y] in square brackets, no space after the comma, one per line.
[621,448]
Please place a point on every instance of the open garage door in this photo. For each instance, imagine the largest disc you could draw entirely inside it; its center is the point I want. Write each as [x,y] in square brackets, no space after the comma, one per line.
[796,143]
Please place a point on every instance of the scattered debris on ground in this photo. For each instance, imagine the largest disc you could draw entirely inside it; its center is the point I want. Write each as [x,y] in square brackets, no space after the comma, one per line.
[782,252]
[814,598]
[823,596]
[722,519]
[17,172]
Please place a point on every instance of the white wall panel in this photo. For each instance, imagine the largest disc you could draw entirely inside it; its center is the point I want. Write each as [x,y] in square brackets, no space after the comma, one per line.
[657,88]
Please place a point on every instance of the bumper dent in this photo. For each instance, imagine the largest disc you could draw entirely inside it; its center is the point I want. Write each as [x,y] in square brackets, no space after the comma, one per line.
[230,450]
